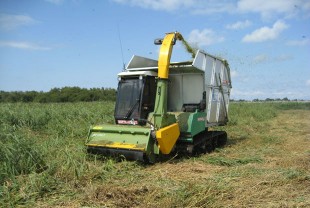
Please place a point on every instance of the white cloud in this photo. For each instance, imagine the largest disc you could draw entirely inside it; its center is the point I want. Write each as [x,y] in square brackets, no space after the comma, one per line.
[10,22]
[207,7]
[263,58]
[239,25]
[193,6]
[236,92]
[265,8]
[283,57]
[266,33]
[22,45]
[303,42]
[57,2]
[270,8]
[166,5]
[308,82]
[204,37]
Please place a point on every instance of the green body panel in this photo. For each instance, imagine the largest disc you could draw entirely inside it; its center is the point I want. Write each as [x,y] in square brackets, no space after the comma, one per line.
[117,136]
[160,115]
[167,119]
[196,123]
[191,124]
[108,134]
[139,138]
[183,121]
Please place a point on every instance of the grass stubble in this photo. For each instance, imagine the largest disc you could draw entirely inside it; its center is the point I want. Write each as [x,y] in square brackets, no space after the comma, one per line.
[265,163]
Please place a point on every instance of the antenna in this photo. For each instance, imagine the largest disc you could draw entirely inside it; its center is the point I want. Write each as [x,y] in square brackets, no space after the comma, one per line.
[121,45]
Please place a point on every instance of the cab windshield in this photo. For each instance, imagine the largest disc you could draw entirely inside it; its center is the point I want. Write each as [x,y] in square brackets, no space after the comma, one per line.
[135,99]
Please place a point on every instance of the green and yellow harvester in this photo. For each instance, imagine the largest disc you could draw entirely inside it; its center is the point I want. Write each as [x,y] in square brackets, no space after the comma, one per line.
[164,108]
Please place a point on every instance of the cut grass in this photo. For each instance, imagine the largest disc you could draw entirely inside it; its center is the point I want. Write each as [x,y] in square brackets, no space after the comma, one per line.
[224,161]
[264,164]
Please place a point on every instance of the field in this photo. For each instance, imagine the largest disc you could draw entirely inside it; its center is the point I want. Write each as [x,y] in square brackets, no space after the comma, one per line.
[43,162]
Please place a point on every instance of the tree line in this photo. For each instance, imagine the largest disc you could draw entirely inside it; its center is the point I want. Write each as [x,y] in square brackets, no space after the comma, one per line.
[60,95]
[267,100]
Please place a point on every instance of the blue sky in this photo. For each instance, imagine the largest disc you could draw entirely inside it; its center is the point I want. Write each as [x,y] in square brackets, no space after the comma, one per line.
[56,43]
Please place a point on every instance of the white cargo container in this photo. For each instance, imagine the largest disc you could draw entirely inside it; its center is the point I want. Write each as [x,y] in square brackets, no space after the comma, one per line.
[205,81]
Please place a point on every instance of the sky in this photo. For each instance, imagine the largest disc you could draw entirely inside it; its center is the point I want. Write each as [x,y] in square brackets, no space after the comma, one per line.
[56,43]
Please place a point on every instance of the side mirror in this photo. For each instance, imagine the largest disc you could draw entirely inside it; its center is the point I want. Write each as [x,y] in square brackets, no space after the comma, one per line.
[158,41]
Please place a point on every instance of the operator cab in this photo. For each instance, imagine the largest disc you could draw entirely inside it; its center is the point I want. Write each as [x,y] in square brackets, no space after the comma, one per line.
[136,94]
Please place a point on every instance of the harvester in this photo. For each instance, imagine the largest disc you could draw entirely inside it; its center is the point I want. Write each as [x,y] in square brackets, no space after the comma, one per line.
[163,108]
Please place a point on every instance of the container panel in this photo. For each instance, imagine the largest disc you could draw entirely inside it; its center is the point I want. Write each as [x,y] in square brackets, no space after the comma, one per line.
[213,117]
[217,86]
[175,99]
[184,89]
[193,87]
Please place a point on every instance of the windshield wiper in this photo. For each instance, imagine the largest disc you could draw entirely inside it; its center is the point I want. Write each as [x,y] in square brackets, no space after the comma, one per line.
[128,114]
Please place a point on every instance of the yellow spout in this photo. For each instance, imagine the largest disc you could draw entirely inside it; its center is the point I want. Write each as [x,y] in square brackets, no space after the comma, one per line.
[165,54]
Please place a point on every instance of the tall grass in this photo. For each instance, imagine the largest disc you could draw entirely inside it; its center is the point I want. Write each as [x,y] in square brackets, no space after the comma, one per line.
[44,143]
[18,156]
[42,153]
[293,105]
[247,113]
